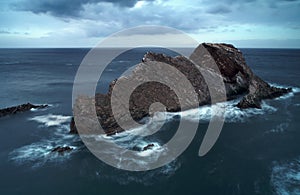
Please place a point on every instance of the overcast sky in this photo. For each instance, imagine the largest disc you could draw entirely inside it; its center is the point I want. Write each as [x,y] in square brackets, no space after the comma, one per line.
[83,23]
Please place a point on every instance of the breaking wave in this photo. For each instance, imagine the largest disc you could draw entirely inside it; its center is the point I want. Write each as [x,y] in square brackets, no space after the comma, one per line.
[232,113]
[51,120]
[294,91]
[39,153]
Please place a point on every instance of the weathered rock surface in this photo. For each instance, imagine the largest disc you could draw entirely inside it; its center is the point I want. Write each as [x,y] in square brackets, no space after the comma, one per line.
[19,108]
[259,90]
[208,62]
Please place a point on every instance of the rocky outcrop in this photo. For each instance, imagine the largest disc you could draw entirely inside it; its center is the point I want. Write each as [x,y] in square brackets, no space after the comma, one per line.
[208,62]
[149,146]
[61,149]
[73,129]
[259,90]
[239,78]
[19,108]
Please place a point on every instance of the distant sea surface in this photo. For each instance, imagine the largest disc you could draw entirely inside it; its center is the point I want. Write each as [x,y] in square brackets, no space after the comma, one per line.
[258,151]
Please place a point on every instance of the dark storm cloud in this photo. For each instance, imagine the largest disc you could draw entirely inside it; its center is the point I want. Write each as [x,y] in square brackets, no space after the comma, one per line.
[64,8]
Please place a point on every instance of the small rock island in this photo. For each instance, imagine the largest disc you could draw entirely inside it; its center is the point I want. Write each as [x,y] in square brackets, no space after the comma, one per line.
[20,108]
[238,78]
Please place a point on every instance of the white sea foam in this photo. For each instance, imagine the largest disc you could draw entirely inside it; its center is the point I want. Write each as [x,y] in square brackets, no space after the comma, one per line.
[41,109]
[39,153]
[294,91]
[232,113]
[285,177]
[132,141]
[152,151]
[51,119]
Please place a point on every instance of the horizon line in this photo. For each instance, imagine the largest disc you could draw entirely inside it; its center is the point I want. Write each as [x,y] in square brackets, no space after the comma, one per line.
[140,47]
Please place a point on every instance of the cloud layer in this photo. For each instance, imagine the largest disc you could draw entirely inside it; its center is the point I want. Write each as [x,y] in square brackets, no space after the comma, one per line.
[206,20]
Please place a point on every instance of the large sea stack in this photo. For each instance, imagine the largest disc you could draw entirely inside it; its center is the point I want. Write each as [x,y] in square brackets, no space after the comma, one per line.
[238,80]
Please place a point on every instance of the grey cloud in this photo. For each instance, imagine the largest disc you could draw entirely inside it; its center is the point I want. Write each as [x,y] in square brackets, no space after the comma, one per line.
[187,20]
[219,9]
[12,32]
[95,18]
[4,32]
[64,8]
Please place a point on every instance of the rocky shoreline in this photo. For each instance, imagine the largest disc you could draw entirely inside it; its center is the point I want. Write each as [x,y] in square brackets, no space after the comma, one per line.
[238,78]
[20,108]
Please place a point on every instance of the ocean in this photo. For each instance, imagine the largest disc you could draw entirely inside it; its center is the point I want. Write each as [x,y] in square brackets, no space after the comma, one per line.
[258,151]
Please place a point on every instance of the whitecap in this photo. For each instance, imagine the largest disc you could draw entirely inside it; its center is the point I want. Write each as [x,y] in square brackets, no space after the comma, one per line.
[232,113]
[39,153]
[51,119]
[41,109]
[294,91]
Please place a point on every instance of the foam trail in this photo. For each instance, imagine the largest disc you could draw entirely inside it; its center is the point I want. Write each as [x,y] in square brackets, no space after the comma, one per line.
[294,91]
[51,120]
[232,113]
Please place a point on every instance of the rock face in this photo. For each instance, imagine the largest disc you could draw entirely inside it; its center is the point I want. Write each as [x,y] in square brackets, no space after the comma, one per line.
[229,67]
[19,108]
[239,78]
[259,90]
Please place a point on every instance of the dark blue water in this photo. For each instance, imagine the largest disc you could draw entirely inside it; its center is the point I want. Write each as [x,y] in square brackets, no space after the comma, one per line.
[257,153]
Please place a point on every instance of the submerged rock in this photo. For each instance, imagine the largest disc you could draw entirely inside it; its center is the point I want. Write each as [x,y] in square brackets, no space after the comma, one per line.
[19,108]
[62,149]
[236,78]
[149,146]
